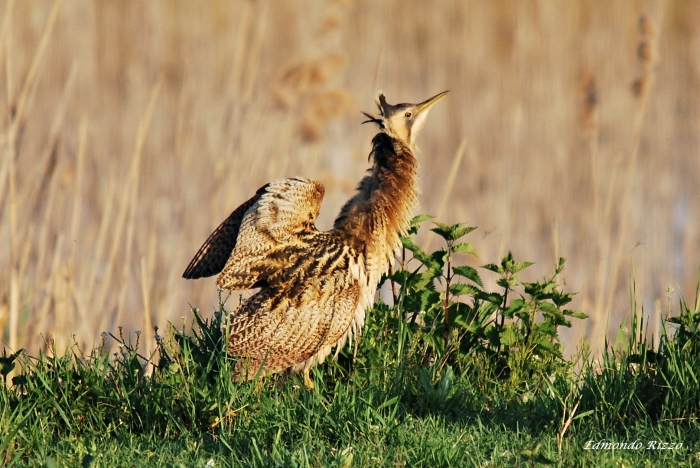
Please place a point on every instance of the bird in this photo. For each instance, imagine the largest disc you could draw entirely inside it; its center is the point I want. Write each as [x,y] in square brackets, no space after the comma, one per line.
[315,286]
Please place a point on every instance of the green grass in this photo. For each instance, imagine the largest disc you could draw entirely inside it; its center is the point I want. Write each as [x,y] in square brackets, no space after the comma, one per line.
[460,389]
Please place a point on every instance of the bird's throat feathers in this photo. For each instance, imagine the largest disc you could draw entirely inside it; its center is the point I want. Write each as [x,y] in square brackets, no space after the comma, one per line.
[380,212]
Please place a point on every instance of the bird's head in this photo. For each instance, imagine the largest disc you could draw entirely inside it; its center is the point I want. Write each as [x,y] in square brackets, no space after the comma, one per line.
[403,121]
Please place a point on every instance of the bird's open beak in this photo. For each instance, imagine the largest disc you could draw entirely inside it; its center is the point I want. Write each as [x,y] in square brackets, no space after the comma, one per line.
[428,103]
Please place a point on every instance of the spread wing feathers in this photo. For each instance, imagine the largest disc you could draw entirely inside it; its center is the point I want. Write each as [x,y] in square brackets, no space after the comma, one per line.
[277,330]
[273,232]
[215,252]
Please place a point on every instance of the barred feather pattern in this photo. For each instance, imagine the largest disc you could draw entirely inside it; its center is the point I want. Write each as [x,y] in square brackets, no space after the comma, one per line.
[379,214]
[315,285]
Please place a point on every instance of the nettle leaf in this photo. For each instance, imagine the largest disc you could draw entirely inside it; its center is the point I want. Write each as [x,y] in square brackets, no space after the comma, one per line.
[560,266]
[508,335]
[421,218]
[469,273]
[418,253]
[557,319]
[549,308]
[515,306]
[522,314]
[461,321]
[439,256]
[7,363]
[429,300]
[445,384]
[459,289]
[464,247]
[453,232]
[401,277]
[505,283]
[521,266]
[424,281]
[561,299]
[575,314]
[533,289]
[443,230]
[493,267]
[408,243]
[493,298]
[547,346]
[507,262]
[415,224]
[547,328]
[461,314]
[540,290]
[491,334]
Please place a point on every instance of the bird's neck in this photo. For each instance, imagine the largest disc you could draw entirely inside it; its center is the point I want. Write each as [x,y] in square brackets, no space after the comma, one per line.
[380,212]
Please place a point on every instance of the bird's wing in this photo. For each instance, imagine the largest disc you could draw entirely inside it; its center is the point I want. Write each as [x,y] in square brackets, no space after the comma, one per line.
[279,328]
[215,252]
[273,233]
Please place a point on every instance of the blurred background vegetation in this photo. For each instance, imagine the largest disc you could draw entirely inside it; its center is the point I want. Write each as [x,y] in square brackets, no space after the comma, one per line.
[130,130]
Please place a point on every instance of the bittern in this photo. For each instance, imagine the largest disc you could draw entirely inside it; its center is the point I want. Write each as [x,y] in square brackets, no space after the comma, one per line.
[314,285]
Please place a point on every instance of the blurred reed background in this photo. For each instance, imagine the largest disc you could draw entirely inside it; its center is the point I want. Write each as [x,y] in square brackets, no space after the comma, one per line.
[129,130]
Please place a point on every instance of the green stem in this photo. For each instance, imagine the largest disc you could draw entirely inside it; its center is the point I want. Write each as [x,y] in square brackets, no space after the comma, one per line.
[448,279]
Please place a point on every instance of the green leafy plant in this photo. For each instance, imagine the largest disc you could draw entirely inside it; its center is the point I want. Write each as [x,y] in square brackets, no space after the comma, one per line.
[454,316]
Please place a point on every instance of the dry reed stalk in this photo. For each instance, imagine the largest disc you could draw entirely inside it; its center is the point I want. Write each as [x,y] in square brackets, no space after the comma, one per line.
[133,189]
[6,29]
[648,60]
[447,190]
[62,299]
[101,240]
[23,262]
[378,68]
[9,169]
[555,240]
[173,299]
[6,44]
[151,263]
[245,24]
[16,118]
[273,169]
[589,121]
[46,168]
[77,194]
[46,307]
[128,210]
[255,52]
[4,313]
[145,293]
[641,89]
[45,231]
[75,234]
[14,309]
[242,50]
[45,244]
[83,328]
[34,67]
[26,250]
[14,277]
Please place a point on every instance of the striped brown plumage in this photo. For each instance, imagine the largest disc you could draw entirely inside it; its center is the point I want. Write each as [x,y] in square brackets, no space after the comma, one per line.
[315,285]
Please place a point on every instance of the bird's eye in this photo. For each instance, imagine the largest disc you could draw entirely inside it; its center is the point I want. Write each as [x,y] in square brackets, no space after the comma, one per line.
[408,114]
